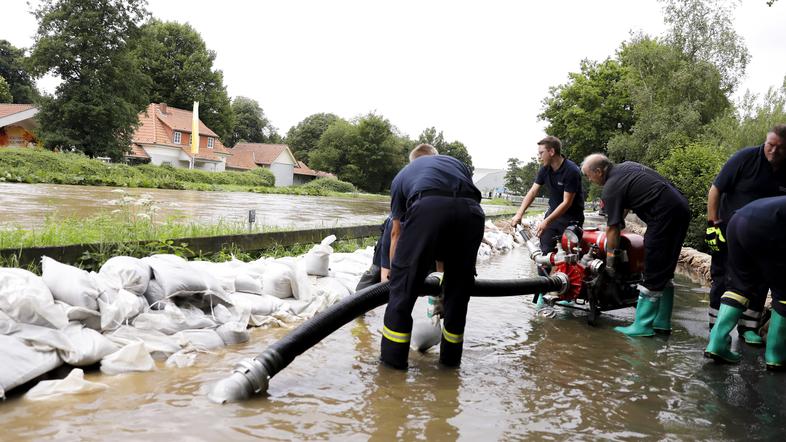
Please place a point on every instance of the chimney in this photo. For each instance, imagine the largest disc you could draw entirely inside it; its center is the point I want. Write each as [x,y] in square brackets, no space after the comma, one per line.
[162,106]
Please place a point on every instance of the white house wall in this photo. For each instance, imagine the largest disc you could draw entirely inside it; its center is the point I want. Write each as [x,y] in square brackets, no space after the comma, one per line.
[284,173]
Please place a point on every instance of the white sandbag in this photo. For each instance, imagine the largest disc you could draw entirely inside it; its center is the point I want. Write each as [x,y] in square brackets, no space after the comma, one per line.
[26,298]
[155,341]
[130,273]
[69,284]
[154,295]
[89,346]
[332,286]
[43,338]
[348,280]
[20,363]
[89,318]
[205,339]
[301,287]
[307,309]
[182,359]
[317,260]
[173,319]
[7,324]
[355,263]
[176,277]
[277,280]
[425,334]
[124,307]
[260,305]
[248,283]
[72,384]
[233,333]
[221,273]
[132,357]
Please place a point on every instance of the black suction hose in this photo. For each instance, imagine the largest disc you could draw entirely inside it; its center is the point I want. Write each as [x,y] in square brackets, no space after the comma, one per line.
[252,376]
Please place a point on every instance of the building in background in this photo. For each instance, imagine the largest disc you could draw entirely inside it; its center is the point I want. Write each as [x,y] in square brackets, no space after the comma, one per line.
[18,125]
[278,158]
[490,182]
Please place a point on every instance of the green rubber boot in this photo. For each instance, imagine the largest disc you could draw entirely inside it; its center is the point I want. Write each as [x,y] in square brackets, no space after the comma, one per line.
[646,310]
[662,323]
[751,337]
[775,352]
[719,347]
[541,302]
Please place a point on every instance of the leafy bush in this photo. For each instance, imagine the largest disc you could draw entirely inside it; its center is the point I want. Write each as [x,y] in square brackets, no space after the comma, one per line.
[330,185]
[692,169]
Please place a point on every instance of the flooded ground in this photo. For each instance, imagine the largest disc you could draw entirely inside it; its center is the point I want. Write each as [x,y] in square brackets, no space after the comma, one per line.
[28,205]
[523,377]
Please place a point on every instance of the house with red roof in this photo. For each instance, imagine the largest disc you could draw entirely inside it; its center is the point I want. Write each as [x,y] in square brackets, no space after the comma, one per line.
[17,125]
[276,157]
[164,138]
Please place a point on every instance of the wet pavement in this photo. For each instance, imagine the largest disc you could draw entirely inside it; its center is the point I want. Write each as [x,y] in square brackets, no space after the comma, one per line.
[523,376]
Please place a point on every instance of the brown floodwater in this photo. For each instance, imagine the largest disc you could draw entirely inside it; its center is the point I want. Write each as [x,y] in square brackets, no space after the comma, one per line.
[28,205]
[523,376]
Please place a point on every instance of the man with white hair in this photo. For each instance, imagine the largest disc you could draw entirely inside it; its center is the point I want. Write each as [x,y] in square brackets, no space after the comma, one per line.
[632,186]
[435,214]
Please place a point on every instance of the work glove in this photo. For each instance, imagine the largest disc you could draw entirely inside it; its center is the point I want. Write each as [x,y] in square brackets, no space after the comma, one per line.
[714,237]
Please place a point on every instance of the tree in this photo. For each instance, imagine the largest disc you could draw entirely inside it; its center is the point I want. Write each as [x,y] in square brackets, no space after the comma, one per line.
[95,108]
[250,123]
[180,67]
[518,179]
[590,109]
[367,153]
[703,31]
[5,92]
[455,149]
[12,69]
[302,138]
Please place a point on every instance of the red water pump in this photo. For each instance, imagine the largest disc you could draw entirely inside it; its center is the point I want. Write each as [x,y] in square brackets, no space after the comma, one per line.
[581,257]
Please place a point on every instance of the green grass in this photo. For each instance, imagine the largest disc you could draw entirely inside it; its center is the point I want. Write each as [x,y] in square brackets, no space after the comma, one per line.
[499,202]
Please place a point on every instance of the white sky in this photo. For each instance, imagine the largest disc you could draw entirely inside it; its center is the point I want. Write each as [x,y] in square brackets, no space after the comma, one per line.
[478,71]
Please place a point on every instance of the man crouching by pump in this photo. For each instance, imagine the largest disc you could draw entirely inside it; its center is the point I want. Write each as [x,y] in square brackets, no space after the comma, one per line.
[435,212]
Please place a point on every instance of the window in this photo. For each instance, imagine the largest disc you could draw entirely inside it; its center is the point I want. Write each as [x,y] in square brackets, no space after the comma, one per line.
[209,142]
[176,137]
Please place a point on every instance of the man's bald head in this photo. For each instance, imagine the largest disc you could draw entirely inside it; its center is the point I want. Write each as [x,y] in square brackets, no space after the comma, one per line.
[595,166]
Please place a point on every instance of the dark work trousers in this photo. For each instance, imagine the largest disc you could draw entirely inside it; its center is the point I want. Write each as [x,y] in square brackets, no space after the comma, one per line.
[553,233]
[751,318]
[755,263]
[663,240]
[433,227]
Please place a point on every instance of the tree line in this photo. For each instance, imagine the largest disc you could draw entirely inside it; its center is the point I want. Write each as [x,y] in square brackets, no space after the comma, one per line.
[663,101]
[113,59]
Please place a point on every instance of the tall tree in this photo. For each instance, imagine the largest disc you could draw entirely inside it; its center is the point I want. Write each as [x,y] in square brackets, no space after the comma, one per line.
[519,178]
[592,107]
[302,138]
[12,69]
[180,67]
[703,30]
[5,92]
[250,123]
[95,107]
[455,149]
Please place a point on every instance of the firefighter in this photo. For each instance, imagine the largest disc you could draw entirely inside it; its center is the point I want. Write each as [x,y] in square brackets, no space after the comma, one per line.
[380,263]
[435,213]
[756,238]
[750,174]
[632,186]
[566,199]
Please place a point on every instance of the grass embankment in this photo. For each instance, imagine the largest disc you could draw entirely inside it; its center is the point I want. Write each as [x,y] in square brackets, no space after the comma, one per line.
[43,166]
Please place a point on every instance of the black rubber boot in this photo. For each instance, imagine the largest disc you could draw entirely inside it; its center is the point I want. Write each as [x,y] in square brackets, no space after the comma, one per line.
[394,354]
[450,353]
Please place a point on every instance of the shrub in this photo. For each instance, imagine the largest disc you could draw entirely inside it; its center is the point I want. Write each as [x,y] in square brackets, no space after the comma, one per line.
[692,169]
[331,185]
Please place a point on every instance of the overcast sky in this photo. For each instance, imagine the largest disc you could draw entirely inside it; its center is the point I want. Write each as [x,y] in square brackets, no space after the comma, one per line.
[476,70]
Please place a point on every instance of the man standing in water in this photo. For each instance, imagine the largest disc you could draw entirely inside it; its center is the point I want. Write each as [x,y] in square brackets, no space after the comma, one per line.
[750,174]
[566,199]
[756,238]
[435,212]
[632,186]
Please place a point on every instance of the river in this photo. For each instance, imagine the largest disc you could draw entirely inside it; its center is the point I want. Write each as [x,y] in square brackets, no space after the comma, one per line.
[523,376]
[28,206]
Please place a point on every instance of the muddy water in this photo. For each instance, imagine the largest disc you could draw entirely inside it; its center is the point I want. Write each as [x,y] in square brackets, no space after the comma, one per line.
[28,205]
[523,377]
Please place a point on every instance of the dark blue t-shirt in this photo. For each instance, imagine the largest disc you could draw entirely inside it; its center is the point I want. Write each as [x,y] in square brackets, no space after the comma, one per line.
[636,187]
[767,217]
[565,179]
[432,172]
[747,176]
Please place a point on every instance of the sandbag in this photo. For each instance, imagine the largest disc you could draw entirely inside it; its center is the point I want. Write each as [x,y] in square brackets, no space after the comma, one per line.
[176,277]
[26,298]
[205,339]
[221,273]
[69,284]
[233,333]
[317,260]
[181,359]
[72,384]
[89,318]
[248,283]
[130,273]
[256,304]
[123,307]
[20,363]
[425,334]
[156,342]
[154,295]
[43,338]
[277,280]
[298,278]
[174,319]
[132,357]
[89,346]
[331,286]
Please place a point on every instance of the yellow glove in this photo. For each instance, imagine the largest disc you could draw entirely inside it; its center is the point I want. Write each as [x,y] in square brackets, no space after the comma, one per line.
[714,237]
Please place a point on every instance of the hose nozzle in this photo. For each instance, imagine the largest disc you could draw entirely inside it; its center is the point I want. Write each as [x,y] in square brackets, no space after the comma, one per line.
[249,377]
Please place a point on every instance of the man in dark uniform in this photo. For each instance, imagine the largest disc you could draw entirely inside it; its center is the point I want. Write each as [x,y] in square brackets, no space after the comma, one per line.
[566,199]
[380,263]
[632,186]
[750,174]
[435,213]
[756,236]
